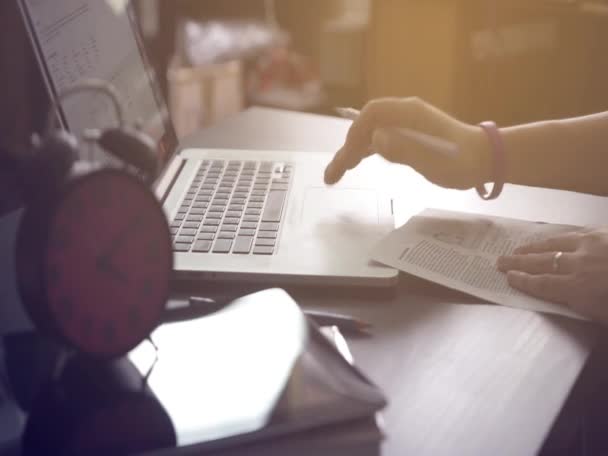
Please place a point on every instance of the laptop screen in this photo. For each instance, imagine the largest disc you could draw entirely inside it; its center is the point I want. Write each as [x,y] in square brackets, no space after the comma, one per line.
[77,39]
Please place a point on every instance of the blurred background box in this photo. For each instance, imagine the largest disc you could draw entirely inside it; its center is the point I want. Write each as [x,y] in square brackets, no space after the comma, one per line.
[342,59]
[202,95]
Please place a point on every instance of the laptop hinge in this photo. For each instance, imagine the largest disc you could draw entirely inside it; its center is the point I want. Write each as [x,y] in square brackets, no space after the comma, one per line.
[165,183]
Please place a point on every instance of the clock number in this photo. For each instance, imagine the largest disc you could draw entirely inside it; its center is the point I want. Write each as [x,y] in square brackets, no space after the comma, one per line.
[133,315]
[147,287]
[108,332]
[153,253]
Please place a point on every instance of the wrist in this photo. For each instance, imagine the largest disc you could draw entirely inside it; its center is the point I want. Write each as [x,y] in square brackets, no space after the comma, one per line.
[499,162]
[482,156]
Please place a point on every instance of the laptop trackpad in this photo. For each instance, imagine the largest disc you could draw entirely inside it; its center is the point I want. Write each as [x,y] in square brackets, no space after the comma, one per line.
[336,206]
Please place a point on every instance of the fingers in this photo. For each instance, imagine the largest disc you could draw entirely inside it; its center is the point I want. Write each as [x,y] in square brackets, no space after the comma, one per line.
[341,163]
[538,263]
[376,114]
[563,243]
[549,287]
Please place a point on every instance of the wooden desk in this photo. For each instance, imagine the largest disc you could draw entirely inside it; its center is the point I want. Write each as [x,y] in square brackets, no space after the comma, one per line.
[461,377]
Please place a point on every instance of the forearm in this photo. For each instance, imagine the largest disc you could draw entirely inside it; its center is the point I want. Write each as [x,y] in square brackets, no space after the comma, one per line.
[570,154]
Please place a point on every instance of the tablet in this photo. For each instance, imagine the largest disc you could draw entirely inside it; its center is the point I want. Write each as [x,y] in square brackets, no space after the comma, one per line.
[258,369]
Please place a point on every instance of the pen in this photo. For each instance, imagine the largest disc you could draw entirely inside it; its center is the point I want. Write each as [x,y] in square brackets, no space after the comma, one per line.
[196,307]
[447,148]
[345,323]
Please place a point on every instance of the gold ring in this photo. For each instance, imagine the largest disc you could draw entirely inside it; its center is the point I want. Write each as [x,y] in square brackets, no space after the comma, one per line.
[556,259]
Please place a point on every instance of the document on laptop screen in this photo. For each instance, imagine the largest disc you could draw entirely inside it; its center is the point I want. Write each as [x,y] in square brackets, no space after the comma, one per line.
[460,251]
[80,39]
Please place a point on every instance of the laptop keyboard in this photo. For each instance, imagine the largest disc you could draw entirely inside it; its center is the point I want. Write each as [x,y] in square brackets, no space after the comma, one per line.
[233,207]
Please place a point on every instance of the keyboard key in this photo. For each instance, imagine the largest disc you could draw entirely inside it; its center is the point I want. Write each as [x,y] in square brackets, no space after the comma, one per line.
[252,218]
[229,228]
[255,205]
[180,216]
[211,222]
[188,232]
[249,226]
[194,218]
[280,181]
[192,225]
[265,242]
[181,247]
[257,199]
[226,235]
[232,221]
[200,205]
[176,224]
[274,206]
[246,232]
[202,246]
[267,235]
[234,214]
[241,195]
[202,199]
[258,193]
[209,229]
[238,201]
[262,250]
[277,187]
[215,216]
[174,230]
[185,240]
[207,188]
[236,208]
[253,211]
[206,237]
[197,211]
[219,209]
[269,227]
[243,244]
[222,246]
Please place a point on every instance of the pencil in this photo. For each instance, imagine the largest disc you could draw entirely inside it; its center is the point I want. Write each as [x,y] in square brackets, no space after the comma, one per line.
[447,148]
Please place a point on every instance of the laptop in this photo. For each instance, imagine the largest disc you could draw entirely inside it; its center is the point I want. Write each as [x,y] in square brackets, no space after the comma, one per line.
[248,215]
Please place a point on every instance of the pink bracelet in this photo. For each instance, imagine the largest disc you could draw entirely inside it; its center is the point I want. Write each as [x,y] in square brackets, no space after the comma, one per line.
[499,162]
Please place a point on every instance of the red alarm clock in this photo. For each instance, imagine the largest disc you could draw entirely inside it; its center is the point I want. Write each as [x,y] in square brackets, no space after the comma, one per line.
[94,267]
[94,254]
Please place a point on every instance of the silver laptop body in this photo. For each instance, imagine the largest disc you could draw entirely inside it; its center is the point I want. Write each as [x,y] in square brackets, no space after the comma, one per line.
[263,216]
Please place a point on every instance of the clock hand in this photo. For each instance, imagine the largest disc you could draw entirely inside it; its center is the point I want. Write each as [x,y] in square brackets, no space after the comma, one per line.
[121,238]
[108,268]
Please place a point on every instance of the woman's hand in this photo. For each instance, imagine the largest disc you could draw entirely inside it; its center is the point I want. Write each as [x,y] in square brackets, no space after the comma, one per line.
[374,132]
[577,278]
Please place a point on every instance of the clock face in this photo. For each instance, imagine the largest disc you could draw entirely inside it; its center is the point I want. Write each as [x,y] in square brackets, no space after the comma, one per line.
[107,264]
